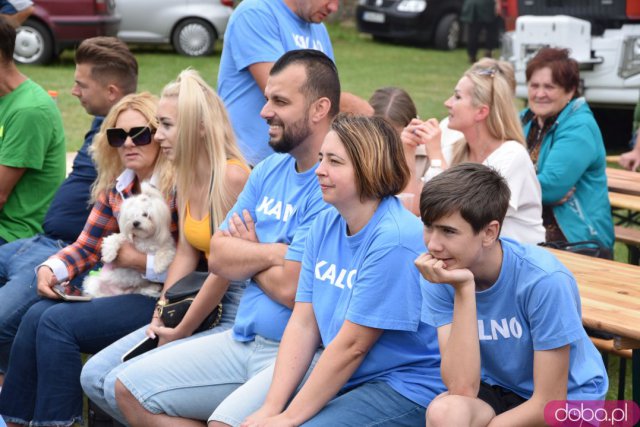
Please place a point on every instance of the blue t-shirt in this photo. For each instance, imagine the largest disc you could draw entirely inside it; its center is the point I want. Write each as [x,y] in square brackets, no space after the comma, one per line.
[259,31]
[533,306]
[369,279]
[283,204]
[10,7]
[70,207]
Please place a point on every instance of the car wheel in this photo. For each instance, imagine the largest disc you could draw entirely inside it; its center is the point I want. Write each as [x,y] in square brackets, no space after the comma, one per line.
[447,35]
[34,44]
[194,37]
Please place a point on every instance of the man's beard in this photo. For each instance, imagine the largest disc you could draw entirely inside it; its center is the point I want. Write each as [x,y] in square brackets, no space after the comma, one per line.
[292,135]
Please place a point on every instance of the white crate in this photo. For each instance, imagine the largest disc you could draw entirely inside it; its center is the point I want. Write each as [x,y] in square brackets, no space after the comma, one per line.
[533,32]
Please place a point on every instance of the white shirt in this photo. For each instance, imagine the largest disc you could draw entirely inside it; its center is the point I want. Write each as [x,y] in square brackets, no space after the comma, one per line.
[524,216]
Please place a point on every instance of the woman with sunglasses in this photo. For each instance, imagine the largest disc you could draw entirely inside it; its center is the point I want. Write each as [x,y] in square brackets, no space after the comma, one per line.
[482,109]
[196,134]
[42,384]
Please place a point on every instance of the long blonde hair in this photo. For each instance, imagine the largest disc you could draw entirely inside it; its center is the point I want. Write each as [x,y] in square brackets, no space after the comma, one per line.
[493,85]
[204,131]
[106,158]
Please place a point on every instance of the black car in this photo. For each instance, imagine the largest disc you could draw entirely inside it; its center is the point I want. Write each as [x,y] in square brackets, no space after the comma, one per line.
[416,21]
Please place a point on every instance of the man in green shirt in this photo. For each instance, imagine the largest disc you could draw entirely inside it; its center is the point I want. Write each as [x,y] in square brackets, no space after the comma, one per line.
[32,147]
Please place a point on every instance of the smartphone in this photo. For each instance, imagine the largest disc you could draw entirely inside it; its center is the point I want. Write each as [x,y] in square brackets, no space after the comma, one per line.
[142,347]
[59,289]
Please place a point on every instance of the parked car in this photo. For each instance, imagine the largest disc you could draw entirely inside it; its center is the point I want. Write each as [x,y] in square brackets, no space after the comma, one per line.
[191,26]
[416,21]
[59,24]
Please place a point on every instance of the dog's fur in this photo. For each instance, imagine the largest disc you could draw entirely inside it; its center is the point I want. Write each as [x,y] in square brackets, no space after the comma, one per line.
[144,221]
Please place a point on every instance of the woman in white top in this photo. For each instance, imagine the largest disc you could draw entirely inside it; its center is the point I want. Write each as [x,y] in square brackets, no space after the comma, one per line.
[482,109]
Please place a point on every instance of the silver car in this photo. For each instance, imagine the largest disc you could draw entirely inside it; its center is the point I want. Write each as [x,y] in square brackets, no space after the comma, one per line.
[191,26]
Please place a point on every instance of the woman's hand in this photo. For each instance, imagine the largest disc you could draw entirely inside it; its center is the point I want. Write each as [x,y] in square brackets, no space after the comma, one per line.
[566,197]
[130,257]
[166,335]
[410,138]
[46,281]
[431,135]
[156,322]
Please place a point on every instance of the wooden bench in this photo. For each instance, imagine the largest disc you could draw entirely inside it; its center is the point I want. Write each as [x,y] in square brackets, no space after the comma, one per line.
[628,203]
[607,347]
[631,238]
[613,159]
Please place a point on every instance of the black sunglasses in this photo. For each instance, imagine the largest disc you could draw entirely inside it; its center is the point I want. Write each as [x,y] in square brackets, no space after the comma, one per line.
[140,135]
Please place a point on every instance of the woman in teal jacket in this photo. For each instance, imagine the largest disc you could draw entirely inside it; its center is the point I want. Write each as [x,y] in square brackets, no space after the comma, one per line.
[566,146]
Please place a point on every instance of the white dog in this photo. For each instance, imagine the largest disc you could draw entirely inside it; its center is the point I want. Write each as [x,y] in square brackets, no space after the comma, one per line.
[144,221]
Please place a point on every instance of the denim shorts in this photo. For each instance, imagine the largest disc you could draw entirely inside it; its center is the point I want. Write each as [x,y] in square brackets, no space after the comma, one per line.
[370,404]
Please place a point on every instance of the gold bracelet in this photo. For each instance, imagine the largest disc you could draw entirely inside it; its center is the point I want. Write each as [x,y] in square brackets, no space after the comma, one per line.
[160,306]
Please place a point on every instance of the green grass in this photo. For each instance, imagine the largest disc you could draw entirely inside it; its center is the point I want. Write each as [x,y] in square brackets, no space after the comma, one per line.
[428,75]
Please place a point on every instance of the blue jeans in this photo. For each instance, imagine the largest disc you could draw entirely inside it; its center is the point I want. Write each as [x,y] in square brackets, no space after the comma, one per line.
[99,373]
[42,384]
[18,260]
[193,378]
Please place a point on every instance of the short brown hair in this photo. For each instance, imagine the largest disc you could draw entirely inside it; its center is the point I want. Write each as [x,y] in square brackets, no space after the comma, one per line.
[111,62]
[565,71]
[393,104]
[322,75]
[478,192]
[376,152]
[7,40]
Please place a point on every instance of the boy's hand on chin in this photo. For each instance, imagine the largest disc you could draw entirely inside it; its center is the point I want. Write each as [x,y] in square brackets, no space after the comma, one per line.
[435,271]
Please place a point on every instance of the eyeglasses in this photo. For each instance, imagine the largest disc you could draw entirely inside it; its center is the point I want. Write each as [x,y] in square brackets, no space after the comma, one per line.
[140,135]
[491,72]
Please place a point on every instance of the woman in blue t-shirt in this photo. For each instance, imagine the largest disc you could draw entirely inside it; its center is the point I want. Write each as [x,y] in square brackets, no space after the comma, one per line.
[358,296]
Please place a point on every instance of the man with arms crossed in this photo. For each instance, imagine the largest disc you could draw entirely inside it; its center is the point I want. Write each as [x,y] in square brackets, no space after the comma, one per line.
[105,71]
[259,32]
[262,239]
[508,314]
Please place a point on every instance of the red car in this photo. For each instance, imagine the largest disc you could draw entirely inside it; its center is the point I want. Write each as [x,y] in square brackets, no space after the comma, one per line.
[59,24]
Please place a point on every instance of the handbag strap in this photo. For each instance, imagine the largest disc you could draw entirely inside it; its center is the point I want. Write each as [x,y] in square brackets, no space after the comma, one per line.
[211,224]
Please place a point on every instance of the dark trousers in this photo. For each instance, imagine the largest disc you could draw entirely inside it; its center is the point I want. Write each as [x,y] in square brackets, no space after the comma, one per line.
[473,37]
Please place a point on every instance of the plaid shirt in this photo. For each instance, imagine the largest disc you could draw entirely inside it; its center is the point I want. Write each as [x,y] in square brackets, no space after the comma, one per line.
[84,253]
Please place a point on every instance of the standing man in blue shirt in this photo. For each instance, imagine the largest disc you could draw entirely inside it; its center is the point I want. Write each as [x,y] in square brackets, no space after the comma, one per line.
[508,315]
[260,32]
[105,72]
[262,239]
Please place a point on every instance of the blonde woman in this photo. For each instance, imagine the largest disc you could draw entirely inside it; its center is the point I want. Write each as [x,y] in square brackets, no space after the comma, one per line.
[42,385]
[482,109]
[194,131]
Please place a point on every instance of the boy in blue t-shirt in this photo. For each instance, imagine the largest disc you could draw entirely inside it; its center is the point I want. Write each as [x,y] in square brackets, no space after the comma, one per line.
[508,315]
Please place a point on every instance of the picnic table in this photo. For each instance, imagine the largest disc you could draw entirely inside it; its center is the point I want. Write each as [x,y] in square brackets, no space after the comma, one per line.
[610,295]
[623,181]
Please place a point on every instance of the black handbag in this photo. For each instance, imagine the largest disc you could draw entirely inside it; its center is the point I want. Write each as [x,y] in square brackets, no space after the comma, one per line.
[179,297]
[585,247]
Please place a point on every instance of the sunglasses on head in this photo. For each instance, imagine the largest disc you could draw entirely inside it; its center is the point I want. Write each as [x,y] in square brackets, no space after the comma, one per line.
[140,135]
